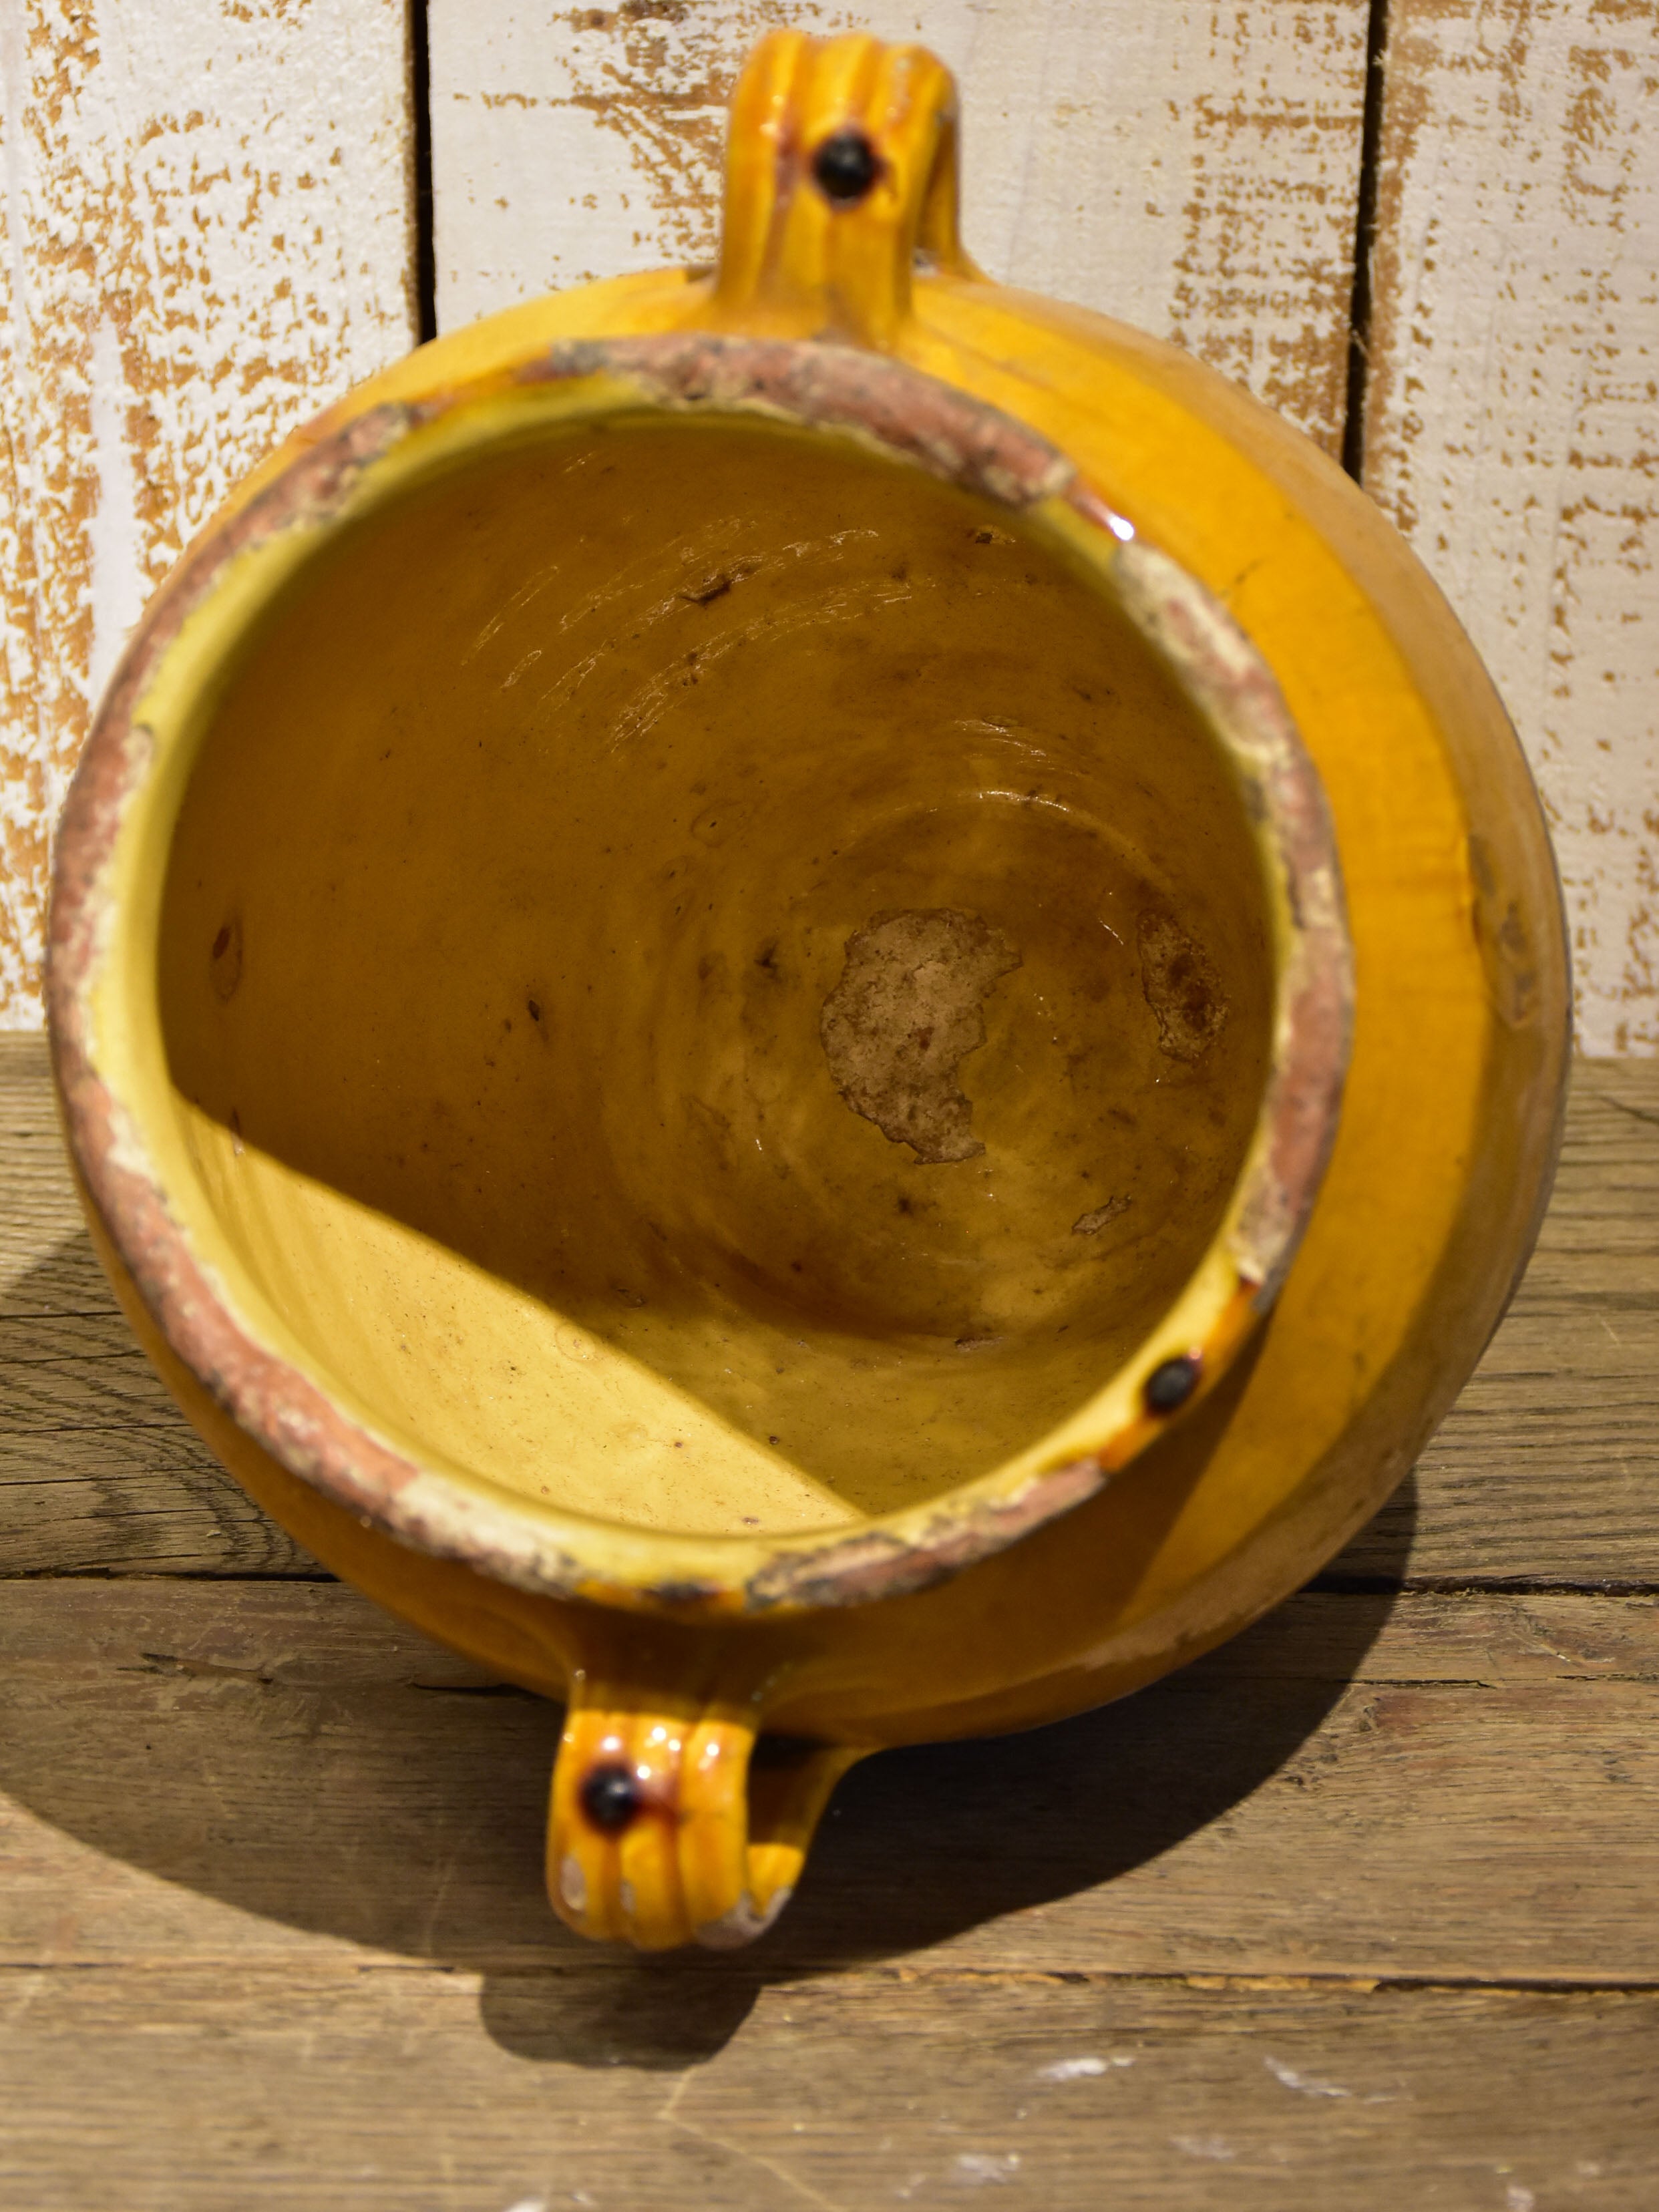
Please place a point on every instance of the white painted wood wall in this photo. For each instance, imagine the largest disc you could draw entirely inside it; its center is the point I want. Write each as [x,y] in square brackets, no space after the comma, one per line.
[205,234]
[207,231]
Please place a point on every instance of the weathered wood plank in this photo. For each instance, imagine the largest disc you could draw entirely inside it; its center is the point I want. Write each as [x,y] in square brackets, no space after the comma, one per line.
[1548,1470]
[1548,1467]
[39,1219]
[1191,167]
[98,1468]
[1444,1789]
[1511,427]
[126,1501]
[205,235]
[662,2089]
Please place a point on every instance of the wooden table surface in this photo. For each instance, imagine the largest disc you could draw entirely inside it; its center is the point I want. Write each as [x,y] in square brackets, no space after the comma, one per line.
[1362,1911]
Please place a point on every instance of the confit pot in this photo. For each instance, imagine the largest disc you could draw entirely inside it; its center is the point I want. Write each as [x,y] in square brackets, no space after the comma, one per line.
[807,999]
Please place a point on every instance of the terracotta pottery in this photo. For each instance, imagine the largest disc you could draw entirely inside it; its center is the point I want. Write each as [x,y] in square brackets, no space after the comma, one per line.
[703,968]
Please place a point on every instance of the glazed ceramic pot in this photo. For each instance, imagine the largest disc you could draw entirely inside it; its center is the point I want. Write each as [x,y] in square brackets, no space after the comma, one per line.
[811,1001]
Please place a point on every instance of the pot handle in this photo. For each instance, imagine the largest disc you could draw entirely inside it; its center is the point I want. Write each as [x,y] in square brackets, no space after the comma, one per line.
[665,1829]
[840,170]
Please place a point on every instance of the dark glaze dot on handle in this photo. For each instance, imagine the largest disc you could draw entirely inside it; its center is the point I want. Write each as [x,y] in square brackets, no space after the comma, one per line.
[609,1797]
[846,167]
[1171,1384]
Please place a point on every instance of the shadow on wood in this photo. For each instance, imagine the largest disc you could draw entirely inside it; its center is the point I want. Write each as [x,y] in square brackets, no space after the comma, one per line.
[283,1749]
[921,1845]
[278,1747]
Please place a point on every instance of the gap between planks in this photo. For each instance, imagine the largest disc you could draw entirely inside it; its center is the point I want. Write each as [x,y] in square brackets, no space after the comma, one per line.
[1364,241]
[925,1976]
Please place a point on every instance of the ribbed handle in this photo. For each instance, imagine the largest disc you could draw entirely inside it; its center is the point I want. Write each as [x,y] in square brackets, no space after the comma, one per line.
[664,1828]
[841,171]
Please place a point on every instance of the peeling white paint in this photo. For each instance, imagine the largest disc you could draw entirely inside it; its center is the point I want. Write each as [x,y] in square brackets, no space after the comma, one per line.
[1512,425]
[1192,166]
[118,586]
[204,237]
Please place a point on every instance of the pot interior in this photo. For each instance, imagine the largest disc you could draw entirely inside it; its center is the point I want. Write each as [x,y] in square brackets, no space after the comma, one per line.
[713,980]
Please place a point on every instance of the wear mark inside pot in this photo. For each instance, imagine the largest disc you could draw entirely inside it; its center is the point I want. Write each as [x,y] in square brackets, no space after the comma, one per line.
[908,1010]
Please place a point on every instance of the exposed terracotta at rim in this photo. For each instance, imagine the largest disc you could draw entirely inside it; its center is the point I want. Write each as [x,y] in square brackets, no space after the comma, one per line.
[955,437]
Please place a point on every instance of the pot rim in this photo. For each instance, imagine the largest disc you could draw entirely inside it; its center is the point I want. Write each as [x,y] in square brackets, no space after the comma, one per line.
[347,463]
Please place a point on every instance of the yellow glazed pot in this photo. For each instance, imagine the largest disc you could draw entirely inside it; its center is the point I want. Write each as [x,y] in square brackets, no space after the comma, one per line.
[811,999]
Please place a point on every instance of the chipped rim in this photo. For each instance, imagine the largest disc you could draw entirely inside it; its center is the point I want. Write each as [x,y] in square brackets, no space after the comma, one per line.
[100,965]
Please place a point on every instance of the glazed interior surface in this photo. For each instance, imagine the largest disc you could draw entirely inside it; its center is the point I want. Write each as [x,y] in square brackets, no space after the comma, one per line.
[712,978]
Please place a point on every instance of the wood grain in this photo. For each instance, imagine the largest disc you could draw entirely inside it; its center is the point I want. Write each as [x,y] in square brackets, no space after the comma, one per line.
[1512,416]
[1423,1789]
[728,2091]
[1358,1911]
[1192,167]
[1547,1470]
[98,1468]
[1548,1467]
[204,236]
